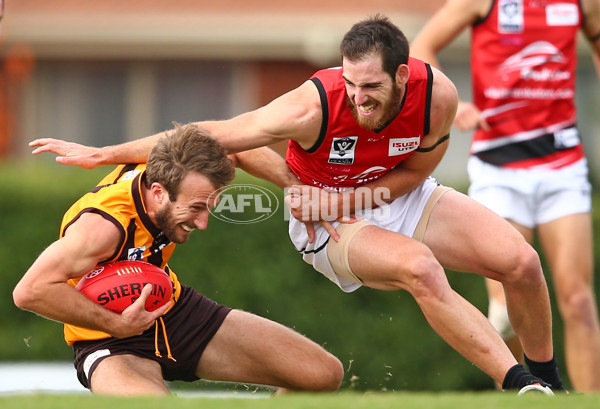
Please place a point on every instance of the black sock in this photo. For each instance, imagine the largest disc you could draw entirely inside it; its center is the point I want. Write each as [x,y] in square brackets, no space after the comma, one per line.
[546,371]
[517,377]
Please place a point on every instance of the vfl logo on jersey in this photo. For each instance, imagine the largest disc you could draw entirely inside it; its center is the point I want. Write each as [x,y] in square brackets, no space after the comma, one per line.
[136,253]
[342,150]
[510,16]
[400,146]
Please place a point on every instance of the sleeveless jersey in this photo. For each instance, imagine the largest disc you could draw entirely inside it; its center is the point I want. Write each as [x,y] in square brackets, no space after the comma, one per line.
[523,60]
[347,155]
[118,199]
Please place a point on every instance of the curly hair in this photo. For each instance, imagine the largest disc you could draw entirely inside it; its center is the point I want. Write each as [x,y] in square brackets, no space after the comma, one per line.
[377,35]
[188,149]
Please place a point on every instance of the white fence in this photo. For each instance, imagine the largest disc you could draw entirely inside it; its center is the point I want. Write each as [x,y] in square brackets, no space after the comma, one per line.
[39,377]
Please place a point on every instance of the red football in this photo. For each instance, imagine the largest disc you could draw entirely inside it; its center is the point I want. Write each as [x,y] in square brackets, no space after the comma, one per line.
[118,284]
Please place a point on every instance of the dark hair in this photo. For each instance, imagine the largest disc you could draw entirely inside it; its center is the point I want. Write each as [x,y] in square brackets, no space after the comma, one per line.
[188,149]
[379,35]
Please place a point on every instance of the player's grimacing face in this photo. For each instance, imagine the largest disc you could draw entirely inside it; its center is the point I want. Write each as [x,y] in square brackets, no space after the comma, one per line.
[373,97]
[177,219]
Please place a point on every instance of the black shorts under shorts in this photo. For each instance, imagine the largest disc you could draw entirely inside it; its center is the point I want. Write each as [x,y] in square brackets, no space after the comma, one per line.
[189,325]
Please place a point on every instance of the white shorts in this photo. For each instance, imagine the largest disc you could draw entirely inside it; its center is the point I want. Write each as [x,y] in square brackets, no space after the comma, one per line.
[531,197]
[401,215]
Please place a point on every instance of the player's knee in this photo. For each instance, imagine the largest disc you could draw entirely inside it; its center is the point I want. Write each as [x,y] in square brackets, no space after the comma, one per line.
[498,317]
[578,306]
[527,269]
[326,376]
[335,375]
[426,277]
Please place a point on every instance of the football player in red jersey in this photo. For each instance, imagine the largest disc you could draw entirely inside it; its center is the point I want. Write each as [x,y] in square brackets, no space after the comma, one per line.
[527,161]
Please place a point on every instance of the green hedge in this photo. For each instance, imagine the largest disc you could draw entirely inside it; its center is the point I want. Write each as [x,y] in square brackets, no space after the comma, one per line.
[381,337]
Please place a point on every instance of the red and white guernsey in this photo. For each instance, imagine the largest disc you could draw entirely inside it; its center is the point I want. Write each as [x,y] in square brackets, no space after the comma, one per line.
[347,155]
[523,60]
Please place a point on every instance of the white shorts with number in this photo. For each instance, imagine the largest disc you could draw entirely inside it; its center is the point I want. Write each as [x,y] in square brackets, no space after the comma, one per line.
[401,215]
[531,197]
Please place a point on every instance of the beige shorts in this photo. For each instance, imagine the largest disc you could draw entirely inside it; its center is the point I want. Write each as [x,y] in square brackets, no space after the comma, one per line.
[407,215]
[338,251]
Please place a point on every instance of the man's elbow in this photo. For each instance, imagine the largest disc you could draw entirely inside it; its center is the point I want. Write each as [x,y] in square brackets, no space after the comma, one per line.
[24,297]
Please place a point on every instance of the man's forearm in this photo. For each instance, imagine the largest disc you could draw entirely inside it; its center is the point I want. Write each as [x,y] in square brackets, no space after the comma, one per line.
[265,163]
[395,183]
[129,152]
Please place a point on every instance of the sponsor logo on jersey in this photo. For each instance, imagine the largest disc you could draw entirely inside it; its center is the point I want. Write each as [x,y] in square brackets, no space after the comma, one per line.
[529,59]
[367,175]
[566,138]
[562,14]
[510,16]
[342,150]
[400,146]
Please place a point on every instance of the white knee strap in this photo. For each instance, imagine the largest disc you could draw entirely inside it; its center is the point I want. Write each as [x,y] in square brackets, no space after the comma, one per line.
[498,317]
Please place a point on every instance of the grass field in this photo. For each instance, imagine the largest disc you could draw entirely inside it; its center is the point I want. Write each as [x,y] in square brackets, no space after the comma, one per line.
[341,400]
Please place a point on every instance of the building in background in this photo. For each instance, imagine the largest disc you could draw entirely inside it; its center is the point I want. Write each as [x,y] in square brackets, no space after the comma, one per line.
[103,72]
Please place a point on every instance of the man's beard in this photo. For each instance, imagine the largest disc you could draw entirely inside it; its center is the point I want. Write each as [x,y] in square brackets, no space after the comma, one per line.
[390,109]
[165,222]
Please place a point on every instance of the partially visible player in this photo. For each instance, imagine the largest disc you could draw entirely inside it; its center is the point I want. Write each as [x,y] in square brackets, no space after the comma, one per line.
[527,161]
[141,212]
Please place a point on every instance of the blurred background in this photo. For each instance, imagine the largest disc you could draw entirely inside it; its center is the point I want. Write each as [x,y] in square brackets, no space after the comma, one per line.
[107,71]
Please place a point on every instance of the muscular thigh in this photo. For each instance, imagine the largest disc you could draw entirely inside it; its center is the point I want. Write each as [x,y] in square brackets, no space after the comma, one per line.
[387,260]
[250,348]
[128,375]
[568,247]
[466,236]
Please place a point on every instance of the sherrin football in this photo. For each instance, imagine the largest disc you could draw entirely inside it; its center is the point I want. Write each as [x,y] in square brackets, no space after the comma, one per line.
[118,284]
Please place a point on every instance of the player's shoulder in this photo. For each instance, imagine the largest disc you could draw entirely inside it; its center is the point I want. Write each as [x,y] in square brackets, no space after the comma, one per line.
[443,92]
[444,102]
[590,9]
[472,10]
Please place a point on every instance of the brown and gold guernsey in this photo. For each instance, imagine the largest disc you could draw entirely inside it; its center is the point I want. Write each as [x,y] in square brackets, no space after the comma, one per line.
[118,198]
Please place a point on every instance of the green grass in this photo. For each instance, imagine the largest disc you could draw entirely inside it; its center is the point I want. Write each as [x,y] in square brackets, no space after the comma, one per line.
[342,400]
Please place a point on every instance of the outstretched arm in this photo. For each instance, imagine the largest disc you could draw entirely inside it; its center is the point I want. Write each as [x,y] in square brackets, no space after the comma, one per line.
[295,115]
[265,163]
[90,157]
[443,27]
[591,28]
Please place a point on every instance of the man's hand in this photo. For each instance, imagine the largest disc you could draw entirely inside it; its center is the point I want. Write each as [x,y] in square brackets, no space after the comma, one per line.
[135,319]
[468,117]
[70,153]
[313,205]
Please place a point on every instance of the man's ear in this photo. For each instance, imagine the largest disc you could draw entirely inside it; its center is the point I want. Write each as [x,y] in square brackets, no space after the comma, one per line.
[402,74]
[159,194]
